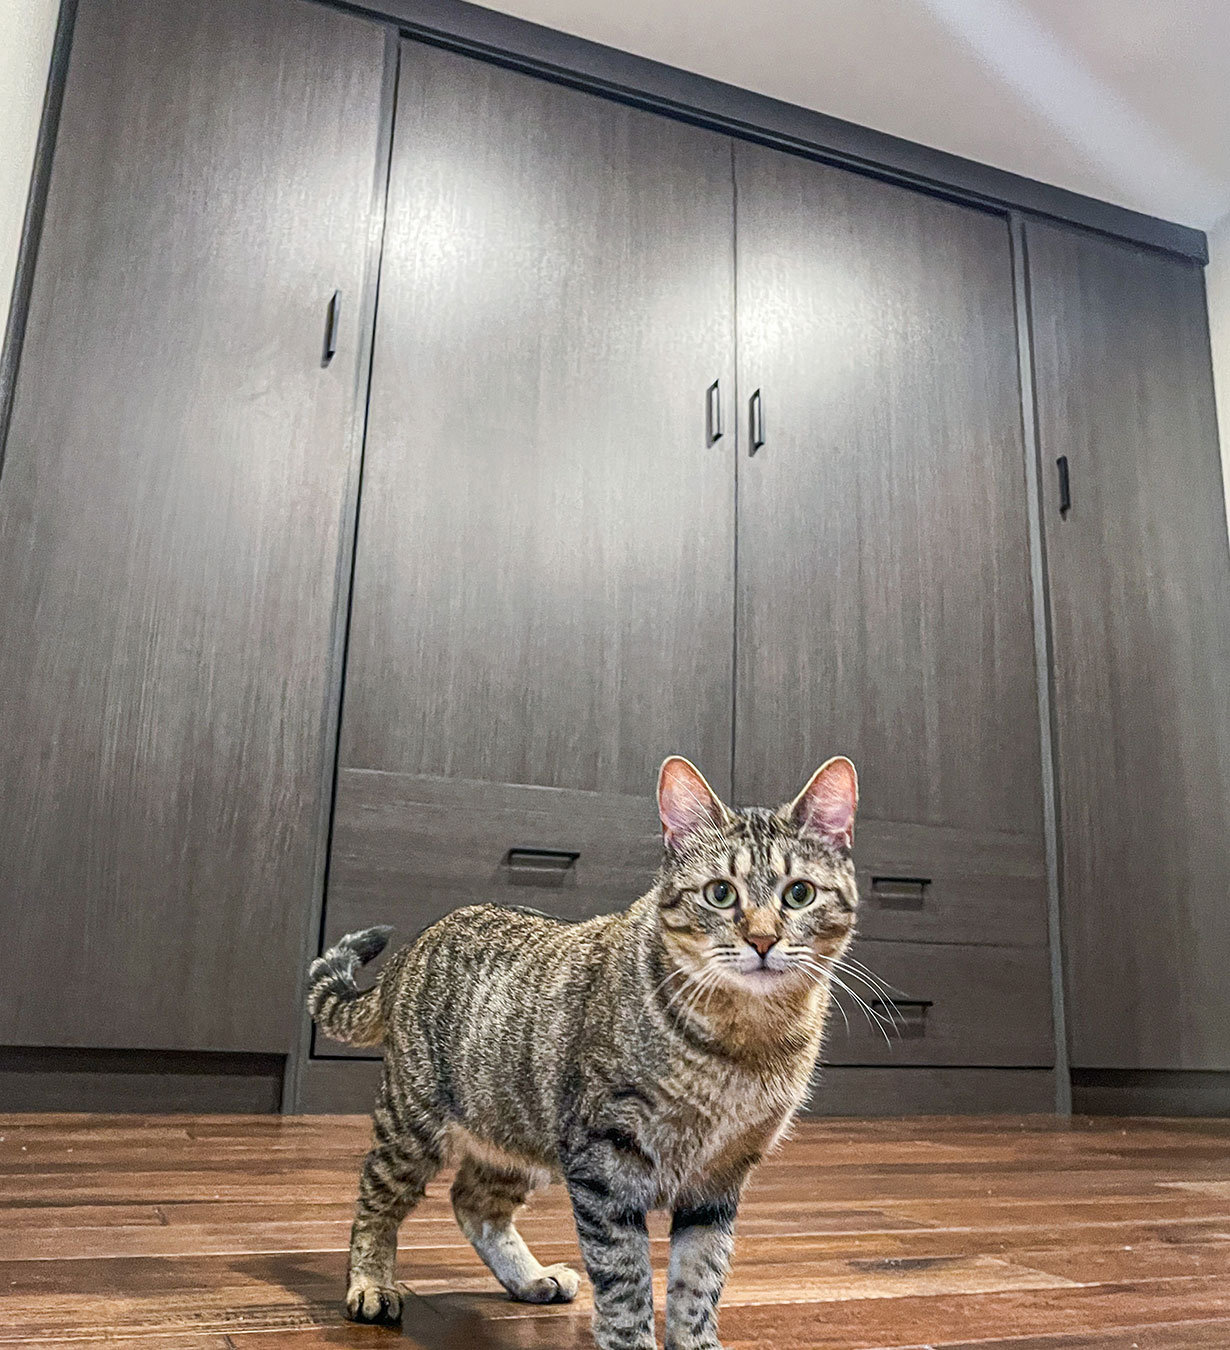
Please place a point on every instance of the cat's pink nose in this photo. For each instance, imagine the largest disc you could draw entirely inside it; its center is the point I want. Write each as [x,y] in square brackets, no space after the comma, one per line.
[762,942]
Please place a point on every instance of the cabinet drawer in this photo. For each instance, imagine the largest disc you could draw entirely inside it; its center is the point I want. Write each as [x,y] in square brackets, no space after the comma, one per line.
[954,1005]
[408,849]
[932,883]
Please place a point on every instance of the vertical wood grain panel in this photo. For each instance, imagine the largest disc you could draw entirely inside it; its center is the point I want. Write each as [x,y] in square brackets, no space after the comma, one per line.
[884,588]
[169,521]
[543,589]
[1140,611]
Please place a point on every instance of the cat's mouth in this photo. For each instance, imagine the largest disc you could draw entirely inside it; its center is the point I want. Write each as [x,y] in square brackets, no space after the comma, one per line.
[763,978]
[762,975]
[767,973]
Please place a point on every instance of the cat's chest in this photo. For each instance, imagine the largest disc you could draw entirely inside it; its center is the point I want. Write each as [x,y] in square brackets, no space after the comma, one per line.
[722,1122]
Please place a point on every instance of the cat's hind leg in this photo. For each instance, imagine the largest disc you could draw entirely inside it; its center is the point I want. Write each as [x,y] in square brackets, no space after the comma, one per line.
[407,1152]
[486,1197]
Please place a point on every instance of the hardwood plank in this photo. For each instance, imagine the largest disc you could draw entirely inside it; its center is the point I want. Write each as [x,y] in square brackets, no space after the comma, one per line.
[188,1341]
[1213,1335]
[1210,1335]
[1129,1261]
[846,1233]
[868,1324]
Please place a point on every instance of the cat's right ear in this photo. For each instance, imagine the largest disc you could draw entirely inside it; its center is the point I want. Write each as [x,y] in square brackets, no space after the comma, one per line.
[686,803]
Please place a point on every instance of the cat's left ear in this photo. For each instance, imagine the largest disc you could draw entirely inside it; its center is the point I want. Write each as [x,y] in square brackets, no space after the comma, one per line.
[686,803]
[828,803]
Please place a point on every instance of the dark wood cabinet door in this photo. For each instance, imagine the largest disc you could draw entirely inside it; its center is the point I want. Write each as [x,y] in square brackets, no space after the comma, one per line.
[1139,580]
[884,601]
[169,521]
[543,590]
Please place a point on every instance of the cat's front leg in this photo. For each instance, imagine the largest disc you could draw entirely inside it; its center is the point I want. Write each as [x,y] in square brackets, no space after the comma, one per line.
[610,1198]
[702,1240]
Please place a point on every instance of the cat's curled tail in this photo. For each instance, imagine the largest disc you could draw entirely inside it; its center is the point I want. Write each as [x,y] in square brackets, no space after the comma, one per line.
[338,1006]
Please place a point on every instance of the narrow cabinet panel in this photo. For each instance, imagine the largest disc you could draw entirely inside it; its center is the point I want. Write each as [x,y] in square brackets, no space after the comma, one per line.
[544,579]
[884,604]
[170,504]
[1140,610]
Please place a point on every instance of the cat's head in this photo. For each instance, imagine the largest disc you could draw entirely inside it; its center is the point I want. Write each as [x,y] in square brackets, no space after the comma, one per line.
[757,899]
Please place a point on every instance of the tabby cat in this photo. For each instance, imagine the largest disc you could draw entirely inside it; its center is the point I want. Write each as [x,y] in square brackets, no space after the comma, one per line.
[649,1057]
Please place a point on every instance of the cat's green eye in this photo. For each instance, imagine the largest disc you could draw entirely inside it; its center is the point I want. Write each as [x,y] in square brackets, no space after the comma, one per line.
[798,894]
[720,894]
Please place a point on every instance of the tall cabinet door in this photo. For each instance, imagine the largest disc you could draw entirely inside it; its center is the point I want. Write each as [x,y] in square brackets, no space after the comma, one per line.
[885,608]
[170,503]
[884,592]
[543,591]
[1140,609]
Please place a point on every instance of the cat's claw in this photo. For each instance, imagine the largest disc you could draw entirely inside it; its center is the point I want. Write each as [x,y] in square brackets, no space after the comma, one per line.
[556,1284]
[368,1302]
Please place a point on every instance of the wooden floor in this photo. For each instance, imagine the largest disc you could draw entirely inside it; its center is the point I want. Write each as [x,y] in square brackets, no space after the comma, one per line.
[228,1233]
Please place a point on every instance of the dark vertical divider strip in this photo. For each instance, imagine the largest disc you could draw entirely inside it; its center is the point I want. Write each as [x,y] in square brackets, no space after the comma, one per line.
[1035,504]
[32,227]
[344,583]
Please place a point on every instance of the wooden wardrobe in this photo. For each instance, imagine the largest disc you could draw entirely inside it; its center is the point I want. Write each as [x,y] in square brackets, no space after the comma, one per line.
[408,451]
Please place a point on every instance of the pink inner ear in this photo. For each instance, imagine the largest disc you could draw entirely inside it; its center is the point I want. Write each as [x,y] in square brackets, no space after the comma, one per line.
[685,801]
[829,801]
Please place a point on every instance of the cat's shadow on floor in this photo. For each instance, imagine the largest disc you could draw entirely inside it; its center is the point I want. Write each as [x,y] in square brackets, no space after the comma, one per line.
[461,1321]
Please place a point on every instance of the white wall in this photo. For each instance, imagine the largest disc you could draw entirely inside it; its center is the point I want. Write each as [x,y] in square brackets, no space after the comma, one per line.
[1126,100]
[1218,281]
[27,28]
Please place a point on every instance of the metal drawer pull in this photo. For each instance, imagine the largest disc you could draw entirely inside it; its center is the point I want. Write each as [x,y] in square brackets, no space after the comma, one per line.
[539,866]
[909,1014]
[900,892]
[713,412]
[1065,485]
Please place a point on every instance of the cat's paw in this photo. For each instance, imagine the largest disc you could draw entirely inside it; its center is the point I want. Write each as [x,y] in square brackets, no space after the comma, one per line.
[367,1301]
[556,1284]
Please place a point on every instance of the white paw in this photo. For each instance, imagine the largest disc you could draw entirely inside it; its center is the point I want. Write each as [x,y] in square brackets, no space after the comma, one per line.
[556,1284]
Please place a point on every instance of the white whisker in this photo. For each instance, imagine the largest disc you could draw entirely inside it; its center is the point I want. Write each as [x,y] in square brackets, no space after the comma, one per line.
[871,980]
[873,1017]
[818,976]
[885,988]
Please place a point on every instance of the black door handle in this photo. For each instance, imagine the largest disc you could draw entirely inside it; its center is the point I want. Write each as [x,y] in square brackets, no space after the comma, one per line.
[900,892]
[756,411]
[539,866]
[908,1015]
[713,412]
[333,319]
[1065,485]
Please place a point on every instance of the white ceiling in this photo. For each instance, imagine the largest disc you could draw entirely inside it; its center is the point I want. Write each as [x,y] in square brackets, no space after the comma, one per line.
[1127,100]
